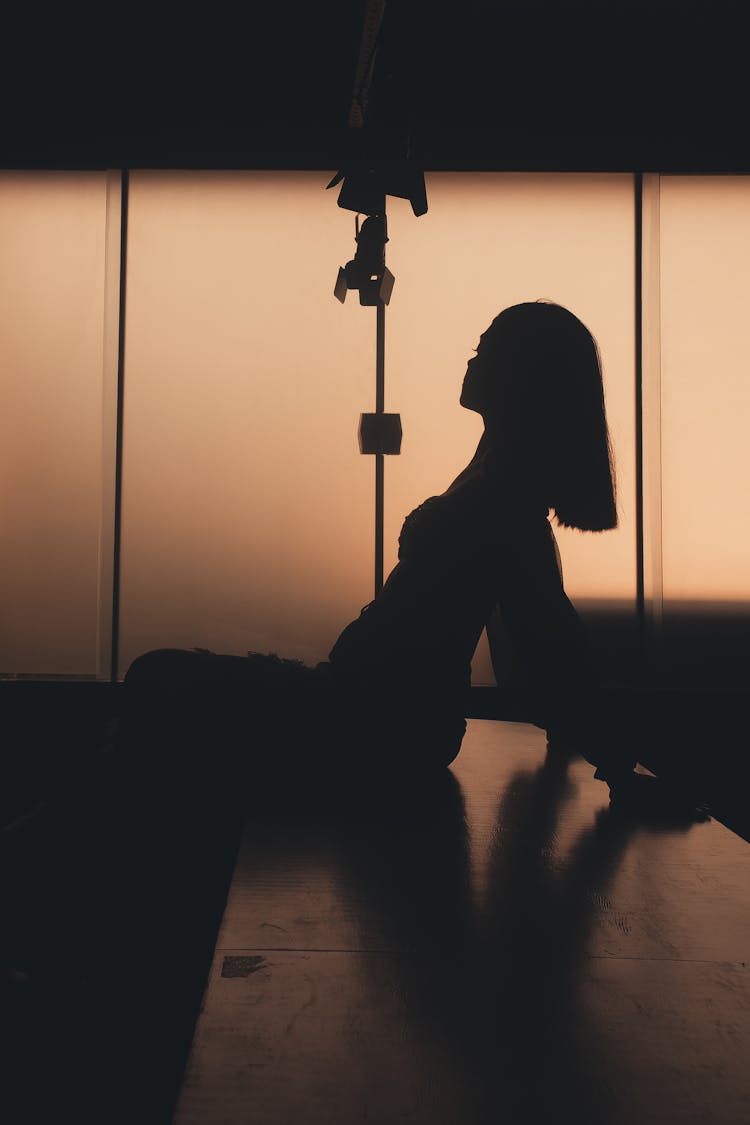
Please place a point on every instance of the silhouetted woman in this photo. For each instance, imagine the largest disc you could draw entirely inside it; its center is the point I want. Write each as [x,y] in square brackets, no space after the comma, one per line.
[394,690]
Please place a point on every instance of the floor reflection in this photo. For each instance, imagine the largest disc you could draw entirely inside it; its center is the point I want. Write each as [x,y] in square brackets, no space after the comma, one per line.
[485,943]
[497,989]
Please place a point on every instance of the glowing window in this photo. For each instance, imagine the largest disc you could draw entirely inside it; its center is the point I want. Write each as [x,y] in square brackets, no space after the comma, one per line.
[489,241]
[52,269]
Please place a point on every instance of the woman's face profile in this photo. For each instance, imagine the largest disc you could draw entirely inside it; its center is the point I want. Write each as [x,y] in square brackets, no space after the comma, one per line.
[474,387]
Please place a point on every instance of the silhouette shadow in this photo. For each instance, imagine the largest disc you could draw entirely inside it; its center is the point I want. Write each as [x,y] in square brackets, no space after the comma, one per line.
[495,979]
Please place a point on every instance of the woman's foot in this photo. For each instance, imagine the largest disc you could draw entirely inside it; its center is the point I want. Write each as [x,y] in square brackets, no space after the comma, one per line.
[654,798]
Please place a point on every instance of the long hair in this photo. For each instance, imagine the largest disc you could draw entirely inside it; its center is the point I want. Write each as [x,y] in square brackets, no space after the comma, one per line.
[550,377]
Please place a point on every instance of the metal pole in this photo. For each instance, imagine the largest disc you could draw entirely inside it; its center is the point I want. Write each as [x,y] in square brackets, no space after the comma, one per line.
[640,601]
[111,340]
[379,458]
[114,669]
[651,413]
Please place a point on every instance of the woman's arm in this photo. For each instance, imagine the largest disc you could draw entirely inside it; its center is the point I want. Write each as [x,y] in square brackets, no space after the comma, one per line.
[538,643]
[550,644]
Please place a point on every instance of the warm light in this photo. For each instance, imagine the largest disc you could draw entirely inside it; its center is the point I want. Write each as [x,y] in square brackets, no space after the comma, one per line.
[248,512]
[247,508]
[51,328]
[490,241]
[705,366]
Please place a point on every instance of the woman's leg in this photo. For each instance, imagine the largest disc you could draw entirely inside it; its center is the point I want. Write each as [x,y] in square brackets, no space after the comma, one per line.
[198,689]
[270,717]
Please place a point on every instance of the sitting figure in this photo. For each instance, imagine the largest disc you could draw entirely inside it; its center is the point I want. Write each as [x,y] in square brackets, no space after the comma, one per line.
[394,690]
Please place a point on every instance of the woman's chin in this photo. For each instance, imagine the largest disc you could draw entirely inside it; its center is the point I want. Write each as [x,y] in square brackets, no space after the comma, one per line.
[468,402]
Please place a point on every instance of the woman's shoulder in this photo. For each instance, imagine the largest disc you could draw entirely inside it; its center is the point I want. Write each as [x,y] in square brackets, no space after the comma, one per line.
[488,506]
[447,522]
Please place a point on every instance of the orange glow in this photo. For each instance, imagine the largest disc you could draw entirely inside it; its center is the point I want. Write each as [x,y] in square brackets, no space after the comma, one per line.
[489,241]
[51,326]
[247,509]
[705,389]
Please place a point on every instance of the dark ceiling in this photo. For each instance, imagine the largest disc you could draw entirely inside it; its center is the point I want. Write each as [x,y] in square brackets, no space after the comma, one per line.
[509,84]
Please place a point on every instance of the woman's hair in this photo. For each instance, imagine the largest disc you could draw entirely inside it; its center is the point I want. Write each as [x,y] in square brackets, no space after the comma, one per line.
[555,397]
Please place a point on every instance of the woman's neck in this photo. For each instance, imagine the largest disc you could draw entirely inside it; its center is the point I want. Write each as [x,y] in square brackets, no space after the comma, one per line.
[512,469]
[473,466]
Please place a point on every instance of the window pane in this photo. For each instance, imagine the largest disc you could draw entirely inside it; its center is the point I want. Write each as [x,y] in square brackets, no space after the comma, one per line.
[705,400]
[52,235]
[489,241]
[247,507]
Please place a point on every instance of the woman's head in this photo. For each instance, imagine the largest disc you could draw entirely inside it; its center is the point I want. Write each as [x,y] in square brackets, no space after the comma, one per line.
[536,380]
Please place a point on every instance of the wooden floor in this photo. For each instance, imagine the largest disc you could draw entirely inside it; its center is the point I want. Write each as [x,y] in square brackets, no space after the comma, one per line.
[504,949]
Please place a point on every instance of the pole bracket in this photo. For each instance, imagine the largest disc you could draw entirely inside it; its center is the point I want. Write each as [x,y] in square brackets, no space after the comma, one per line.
[380,433]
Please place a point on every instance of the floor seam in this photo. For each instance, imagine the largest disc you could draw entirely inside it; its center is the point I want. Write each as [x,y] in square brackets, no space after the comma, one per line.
[416,953]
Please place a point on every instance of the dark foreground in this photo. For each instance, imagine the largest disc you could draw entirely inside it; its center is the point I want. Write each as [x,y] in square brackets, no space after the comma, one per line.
[500,943]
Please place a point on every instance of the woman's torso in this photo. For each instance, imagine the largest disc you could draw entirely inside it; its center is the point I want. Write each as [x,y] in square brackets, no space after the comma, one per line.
[460,554]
